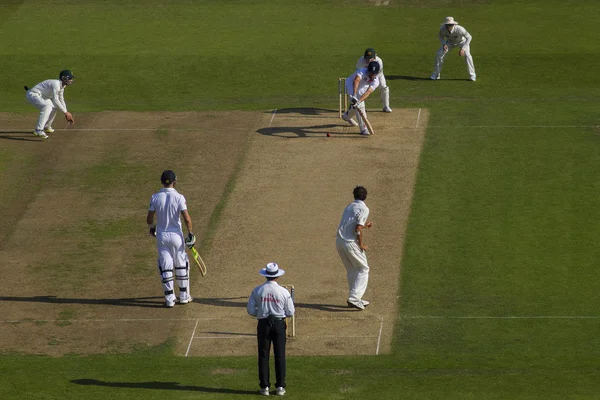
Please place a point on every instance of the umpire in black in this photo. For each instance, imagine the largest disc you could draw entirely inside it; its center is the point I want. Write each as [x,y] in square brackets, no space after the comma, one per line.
[271,304]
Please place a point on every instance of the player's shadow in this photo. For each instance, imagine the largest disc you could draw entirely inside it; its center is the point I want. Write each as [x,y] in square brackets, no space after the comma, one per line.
[242,302]
[420,78]
[149,302]
[19,135]
[293,132]
[223,301]
[155,385]
[326,307]
[302,111]
[406,78]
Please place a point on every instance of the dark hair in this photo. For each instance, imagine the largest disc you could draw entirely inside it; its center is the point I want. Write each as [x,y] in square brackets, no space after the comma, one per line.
[360,193]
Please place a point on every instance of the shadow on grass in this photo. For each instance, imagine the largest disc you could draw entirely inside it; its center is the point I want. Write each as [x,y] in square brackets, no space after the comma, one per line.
[160,386]
[420,78]
[241,302]
[406,78]
[26,136]
[152,302]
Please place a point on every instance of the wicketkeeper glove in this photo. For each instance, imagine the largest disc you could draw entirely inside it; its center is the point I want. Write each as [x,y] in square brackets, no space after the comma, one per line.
[153,230]
[190,240]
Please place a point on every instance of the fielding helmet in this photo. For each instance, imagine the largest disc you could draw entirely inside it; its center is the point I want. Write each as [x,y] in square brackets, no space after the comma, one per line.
[370,53]
[373,67]
[65,75]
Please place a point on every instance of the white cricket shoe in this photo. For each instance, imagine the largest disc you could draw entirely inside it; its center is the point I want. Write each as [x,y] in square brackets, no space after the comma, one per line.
[280,391]
[185,300]
[387,109]
[473,78]
[364,132]
[434,77]
[40,134]
[48,129]
[358,305]
[264,391]
[169,303]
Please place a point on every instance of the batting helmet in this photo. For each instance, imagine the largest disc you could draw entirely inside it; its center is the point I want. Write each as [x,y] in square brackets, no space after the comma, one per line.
[168,177]
[373,67]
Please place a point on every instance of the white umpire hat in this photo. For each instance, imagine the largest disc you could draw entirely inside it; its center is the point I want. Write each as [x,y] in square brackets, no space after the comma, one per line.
[272,270]
[450,21]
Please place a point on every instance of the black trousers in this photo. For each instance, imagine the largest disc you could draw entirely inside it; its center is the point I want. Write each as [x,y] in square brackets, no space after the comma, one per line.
[271,330]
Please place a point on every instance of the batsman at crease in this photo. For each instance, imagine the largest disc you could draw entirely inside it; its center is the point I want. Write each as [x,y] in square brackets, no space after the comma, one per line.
[359,87]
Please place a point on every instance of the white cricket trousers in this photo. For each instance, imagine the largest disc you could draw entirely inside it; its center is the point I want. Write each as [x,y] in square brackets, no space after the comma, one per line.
[351,113]
[172,256]
[441,55]
[357,268]
[47,109]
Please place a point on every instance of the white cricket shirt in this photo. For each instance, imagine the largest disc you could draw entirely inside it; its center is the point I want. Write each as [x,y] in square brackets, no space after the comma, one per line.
[52,89]
[458,37]
[364,84]
[270,299]
[168,205]
[356,213]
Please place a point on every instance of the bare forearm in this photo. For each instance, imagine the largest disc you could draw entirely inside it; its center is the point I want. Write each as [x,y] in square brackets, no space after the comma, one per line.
[187,220]
[365,95]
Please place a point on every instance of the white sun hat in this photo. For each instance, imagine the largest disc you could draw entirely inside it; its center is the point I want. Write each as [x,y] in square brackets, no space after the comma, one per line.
[450,21]
[272,270]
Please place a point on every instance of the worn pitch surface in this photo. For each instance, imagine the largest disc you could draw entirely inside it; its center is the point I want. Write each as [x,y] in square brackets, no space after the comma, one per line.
[70,295]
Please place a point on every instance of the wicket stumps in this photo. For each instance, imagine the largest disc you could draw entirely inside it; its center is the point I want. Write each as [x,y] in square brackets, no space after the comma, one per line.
[343,96]
[292,319]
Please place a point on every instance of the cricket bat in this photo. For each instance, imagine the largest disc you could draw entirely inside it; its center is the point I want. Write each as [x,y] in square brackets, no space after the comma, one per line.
[365,120]
[199,261]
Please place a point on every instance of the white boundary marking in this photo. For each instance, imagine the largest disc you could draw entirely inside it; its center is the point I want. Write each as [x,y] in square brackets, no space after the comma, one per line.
[379,337]
[273,117]
[192,338]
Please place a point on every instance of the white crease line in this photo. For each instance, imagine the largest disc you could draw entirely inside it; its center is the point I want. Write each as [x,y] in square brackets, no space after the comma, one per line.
[242,336]
[273,117]
[418,119]
[253,336]
[15,321]
[505,317]
[399,127]
[379,337]
[192,338]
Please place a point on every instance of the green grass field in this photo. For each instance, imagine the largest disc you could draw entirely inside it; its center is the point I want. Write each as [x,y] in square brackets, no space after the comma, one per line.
[499,278]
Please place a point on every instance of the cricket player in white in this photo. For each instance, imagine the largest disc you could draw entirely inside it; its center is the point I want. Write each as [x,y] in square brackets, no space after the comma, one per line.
[168,205]
[49,97]
[359,86]
[452,35]
[363,62]
[352,249]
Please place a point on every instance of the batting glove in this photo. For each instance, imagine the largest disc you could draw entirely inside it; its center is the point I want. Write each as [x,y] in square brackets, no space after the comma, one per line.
[190,240]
